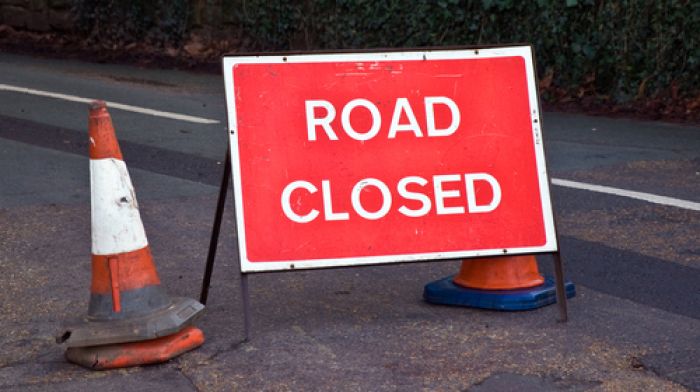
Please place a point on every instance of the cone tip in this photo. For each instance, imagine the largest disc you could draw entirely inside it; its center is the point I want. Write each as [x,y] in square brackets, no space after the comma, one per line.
[97,105]
[103,141]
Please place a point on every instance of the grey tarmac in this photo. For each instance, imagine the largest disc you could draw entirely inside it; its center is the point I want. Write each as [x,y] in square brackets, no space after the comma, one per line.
[634,324]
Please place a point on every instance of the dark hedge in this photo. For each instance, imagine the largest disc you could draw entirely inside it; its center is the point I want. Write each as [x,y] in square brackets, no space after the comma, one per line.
[616,51]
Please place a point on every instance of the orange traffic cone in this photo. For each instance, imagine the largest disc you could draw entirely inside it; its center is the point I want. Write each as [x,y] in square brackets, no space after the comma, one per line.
[146,352]
[127,302]
[501,283]
[499,273]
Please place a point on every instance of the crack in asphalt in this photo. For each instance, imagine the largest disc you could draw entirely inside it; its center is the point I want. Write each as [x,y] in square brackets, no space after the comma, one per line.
[180,370]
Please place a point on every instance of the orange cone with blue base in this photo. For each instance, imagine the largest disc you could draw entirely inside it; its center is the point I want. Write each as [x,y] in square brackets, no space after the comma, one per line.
[499,283]
[499,273]
[127,301]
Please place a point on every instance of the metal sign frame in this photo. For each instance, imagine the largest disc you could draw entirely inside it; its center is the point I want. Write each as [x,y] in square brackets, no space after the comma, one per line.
[551,248]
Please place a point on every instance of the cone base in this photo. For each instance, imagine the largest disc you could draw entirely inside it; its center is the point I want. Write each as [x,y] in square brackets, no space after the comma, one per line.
[181,313]
[136,353]
[446,292]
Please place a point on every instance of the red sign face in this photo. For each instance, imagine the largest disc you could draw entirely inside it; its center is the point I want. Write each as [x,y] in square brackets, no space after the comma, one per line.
[379,157]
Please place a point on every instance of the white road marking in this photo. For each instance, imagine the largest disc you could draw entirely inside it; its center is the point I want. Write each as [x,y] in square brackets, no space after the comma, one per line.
[111,105]
[649,197]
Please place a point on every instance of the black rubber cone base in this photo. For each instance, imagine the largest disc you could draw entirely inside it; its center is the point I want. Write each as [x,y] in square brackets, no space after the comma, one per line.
[167,321]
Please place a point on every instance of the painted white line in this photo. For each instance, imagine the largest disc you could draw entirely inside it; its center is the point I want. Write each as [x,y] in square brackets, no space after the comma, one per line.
[111,105]
[649,197]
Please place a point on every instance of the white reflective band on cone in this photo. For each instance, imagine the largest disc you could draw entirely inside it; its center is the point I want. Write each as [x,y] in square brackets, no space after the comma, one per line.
[116,222]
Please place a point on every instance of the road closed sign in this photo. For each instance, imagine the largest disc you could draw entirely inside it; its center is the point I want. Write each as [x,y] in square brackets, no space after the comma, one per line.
[367,158]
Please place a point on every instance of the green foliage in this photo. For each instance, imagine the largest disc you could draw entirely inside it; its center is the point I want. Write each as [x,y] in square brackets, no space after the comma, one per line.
[120,22]
[612,50]
[615,50]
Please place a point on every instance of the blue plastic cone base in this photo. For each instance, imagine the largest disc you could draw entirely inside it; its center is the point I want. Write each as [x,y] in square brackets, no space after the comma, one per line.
[445,292]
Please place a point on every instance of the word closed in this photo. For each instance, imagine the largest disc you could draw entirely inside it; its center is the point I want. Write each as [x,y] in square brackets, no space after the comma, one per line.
[425,202]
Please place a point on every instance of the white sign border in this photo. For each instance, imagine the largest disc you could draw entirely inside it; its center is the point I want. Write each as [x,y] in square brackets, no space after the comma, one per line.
[414,55]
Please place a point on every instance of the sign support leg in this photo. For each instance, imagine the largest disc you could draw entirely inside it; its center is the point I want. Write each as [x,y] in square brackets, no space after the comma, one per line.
[245,295]
[561,293]
[214,240]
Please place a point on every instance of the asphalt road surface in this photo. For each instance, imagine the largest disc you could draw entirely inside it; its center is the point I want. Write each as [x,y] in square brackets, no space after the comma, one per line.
[626,195]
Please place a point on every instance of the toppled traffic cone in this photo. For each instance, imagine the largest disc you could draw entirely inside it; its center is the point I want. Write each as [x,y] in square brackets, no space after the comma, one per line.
[500,283]
[146,352]
[127,302]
